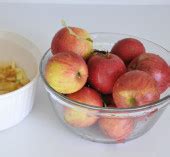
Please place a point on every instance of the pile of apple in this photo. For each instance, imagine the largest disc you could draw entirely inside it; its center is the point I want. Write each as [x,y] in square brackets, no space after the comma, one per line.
[125,77]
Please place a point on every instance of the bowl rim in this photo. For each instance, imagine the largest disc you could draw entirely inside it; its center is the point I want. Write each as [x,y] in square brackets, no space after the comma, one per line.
[31,82]
[149,106]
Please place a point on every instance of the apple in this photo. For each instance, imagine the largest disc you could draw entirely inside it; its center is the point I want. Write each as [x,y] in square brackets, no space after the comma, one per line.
[135,88]
[118,129]
[104,70]
[155,66]
[72,39]
[128,49]
[66,72]
[78,116]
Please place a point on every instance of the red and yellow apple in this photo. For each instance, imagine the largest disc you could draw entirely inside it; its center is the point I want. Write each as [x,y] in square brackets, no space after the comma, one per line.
[118,129]
[66,72]
[135,88]
[155,66]
[104,70]
[128,49]
[82,117]
[72,39]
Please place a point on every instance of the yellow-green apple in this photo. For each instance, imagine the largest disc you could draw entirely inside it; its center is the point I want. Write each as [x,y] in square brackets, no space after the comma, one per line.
[104,70]
[118,129]
[154,65]
[135,88]
[128,49]
[66,72]
[81,117]
[72,39]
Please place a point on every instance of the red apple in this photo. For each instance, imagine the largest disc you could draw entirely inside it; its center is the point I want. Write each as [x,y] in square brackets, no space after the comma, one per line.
[135,88]
[155,66]
[79,116]
[104,70]
[118,129]
[72,39]
[128,49]
[66,72]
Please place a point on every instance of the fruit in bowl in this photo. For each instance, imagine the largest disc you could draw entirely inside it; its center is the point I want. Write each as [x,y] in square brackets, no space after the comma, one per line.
[66,72]
[155,66]
[118,129]
[128,49]
[135,88]
[72,39]
[104,70]
[80,117]
[108,105]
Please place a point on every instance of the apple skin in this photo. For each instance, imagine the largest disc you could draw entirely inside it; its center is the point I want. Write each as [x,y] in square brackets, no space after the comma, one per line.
[66,72]
[118,129]
[63,41]
[128,49]
[104,70]
[155,66]
[78,116]
[135,88]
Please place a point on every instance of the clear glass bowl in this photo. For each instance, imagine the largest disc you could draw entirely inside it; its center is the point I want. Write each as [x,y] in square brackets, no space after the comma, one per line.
[128,123]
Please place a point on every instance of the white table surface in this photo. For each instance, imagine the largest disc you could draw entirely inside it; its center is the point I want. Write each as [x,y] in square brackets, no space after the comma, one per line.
[41,134]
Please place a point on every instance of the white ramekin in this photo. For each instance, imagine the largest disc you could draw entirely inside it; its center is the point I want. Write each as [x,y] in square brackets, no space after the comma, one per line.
[16,105]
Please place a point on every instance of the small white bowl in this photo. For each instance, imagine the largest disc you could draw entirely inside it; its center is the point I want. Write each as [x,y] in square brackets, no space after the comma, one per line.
[16,105]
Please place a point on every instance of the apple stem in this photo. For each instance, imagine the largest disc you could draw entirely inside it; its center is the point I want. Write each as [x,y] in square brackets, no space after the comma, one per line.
[104,104]
[78,74]
[102,52]
[132,101]
[107,54]
[99,51]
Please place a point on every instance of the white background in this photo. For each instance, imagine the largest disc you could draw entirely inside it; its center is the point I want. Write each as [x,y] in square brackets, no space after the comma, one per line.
[41,134]
[132,2]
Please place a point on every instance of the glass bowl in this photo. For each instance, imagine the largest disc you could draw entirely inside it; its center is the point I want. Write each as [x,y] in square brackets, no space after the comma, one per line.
[122,124]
